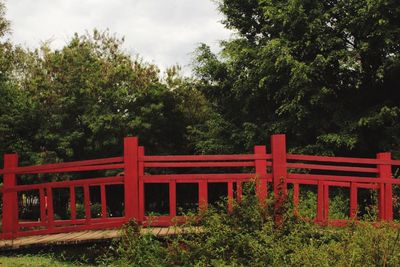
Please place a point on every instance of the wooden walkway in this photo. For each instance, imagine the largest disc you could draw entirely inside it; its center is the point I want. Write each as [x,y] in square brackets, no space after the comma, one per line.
[84,236]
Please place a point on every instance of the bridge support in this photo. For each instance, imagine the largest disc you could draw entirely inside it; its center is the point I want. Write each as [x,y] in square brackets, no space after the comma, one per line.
[10,199]
[131,178]
[279,173]
[385,197]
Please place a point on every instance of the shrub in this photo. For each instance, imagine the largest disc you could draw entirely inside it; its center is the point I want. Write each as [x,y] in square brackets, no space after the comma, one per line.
[248,236]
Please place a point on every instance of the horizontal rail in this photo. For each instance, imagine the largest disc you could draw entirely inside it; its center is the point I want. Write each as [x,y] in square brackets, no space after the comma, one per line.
[198,164]
[64,166]
[199,177]
[370,161]
[62,184]
[69,169]
[331,168]
[238,157]
[321,177]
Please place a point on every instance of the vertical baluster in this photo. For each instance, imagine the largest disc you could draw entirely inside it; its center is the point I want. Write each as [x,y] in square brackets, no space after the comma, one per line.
[50,209]
[172,199]
[72,202]
[230,196]
[353,200]
[320,202]
[239,191]
[326,203]
[203,195]
[103,201]
[296,193]
[42,205]
[86,201]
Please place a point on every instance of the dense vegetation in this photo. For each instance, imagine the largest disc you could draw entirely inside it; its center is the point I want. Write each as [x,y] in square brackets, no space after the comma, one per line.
[323,72]
[249,237]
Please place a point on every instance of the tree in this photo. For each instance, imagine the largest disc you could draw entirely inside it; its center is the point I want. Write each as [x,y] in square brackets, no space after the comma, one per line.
[323,72]
[90,94]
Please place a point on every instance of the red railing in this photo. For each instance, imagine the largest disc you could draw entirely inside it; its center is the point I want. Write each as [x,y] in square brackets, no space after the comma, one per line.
[137,170]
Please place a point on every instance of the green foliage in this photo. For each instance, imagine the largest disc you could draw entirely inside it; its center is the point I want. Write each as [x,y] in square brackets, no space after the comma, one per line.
[322,72]
[248,236]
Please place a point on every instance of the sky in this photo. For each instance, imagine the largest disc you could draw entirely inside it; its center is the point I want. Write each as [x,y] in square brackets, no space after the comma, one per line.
[164,32]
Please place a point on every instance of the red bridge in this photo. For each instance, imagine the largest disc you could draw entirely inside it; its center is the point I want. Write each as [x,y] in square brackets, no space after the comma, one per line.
[276,170]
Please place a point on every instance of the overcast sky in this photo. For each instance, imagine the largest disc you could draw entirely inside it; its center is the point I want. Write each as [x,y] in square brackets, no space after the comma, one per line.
[164,32]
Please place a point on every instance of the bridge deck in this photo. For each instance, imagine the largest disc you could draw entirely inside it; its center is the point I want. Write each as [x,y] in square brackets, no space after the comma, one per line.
[82,236]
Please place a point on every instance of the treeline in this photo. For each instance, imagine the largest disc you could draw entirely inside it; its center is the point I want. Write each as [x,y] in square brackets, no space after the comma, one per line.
[326,73]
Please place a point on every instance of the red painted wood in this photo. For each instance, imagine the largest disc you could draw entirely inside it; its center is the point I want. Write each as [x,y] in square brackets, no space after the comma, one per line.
[134,163]
[198,164]
[103,201]
[279,171]
[66,184]
[296,194]
[320,202]
[317,177]
[239,191]
[326,202]
[238,157]
[386,189]
[261,172]
[57,167]
[197,177]
[370,161]
[172,198]
[10,201]
[50,210]
[131,183]
[230,196]
[141,153]
[331,168]
[42,205]
[353,200]
[203,195]
[86,202]
[72,202]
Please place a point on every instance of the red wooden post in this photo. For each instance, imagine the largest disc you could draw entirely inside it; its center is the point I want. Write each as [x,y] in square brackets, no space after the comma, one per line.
[42,201]
[10,199]
[353,200]
[172,199]
[239,191]
[72,202]
[50,209]
[320,201]
[230,196]
[278,150]
[141,184]
[261,172]
[103,201]
[386,188]
[203,195]
[131,179]
[86,203]
[296,193]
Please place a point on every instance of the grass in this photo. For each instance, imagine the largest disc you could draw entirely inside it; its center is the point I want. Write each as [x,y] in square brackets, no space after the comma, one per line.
[32,260]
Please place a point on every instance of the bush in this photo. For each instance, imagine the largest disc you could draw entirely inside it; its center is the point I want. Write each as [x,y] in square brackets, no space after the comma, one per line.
[248,236]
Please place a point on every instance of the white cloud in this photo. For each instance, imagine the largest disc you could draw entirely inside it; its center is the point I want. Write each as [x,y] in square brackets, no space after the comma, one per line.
[164,32]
